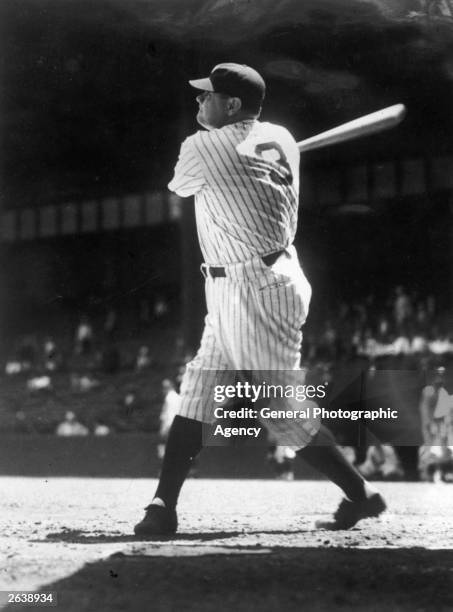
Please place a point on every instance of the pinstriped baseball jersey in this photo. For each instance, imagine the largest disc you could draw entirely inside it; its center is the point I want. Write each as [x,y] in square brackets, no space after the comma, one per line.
[245,178]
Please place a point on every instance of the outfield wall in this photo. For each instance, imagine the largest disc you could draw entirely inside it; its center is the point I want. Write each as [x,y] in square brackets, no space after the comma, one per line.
[125,455]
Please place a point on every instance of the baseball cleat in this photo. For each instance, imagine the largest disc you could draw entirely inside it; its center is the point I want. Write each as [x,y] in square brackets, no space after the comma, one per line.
[351,512]
[158,521]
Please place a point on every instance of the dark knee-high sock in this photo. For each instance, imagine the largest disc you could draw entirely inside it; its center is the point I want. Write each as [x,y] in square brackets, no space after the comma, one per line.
[324,456]
[183,445]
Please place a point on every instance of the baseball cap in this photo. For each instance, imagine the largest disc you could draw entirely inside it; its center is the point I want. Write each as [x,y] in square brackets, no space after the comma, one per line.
[236,80]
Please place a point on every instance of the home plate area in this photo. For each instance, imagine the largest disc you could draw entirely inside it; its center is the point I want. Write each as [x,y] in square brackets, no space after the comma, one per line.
[241,544]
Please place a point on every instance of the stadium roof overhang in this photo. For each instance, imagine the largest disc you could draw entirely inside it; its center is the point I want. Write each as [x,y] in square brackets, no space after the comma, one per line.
[85,82]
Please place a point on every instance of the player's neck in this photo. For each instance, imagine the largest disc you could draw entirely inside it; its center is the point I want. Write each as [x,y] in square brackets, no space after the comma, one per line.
[239,118]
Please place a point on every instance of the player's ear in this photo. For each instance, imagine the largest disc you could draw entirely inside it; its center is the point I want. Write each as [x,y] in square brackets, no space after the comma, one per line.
[234,106]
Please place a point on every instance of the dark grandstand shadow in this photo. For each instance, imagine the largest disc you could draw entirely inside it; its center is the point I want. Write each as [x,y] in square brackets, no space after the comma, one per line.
[77,536]
[240,578]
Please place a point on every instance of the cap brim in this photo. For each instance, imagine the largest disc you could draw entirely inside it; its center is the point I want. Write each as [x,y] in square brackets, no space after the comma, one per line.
[203,84]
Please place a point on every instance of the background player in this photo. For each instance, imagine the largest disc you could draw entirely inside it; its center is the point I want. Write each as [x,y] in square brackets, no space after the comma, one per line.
[170,408]
[245,178]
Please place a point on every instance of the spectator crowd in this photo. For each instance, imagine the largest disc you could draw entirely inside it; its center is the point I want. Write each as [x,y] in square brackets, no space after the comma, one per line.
[400,331]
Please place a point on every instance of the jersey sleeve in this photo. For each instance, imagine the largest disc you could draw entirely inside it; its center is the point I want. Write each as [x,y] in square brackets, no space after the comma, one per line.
[188,177]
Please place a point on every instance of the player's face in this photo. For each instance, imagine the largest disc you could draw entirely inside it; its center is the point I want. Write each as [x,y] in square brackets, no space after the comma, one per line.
[212,110]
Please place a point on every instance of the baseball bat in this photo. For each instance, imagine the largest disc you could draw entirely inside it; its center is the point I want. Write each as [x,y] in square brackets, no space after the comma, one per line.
[363,126]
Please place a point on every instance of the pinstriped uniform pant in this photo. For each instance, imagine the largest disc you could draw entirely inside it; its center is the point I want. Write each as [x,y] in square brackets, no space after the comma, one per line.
[254,321]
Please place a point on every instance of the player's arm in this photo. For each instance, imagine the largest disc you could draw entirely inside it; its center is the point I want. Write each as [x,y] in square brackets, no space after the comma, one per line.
[188,177]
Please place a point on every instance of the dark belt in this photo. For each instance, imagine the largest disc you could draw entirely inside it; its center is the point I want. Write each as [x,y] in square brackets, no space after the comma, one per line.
[220,271]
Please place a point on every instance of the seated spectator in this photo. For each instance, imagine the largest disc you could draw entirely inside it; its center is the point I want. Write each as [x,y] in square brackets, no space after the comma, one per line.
[83,383]
[419,344]
[402,345]
[52,358]
[129,413]
[39,383]
[372,348]
[441,345]
[100,428]
[160,308]
[356,340]
[71,427]
[282,460]
[421,316]
[328,343]
[381,463]
[383,329]
[130,402]
[369,345]
[84,337]
[402,306]
[143,359]
[13,367]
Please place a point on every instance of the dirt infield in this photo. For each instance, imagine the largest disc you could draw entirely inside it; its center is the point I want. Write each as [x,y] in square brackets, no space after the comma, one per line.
[242,545]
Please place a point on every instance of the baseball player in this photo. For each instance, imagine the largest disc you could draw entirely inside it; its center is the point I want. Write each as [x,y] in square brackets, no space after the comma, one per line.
[170,408]
[436,411]
[244,175]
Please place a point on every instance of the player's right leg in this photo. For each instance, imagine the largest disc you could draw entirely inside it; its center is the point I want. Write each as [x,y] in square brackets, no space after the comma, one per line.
[183,445]
[185,436]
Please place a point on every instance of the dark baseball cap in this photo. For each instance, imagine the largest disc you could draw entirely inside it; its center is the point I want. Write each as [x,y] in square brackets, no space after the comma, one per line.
[236,80]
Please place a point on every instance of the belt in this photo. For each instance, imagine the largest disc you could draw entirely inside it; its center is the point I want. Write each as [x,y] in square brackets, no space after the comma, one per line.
[220,271]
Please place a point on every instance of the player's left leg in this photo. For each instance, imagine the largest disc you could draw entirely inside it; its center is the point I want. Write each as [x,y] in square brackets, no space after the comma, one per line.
[362,500]
[318,448]
[278,313]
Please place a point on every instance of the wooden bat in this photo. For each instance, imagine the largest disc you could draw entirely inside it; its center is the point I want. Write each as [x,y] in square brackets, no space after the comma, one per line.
[363,126]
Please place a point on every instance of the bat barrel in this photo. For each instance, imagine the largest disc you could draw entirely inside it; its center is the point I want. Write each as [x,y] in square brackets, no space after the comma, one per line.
[363,126]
